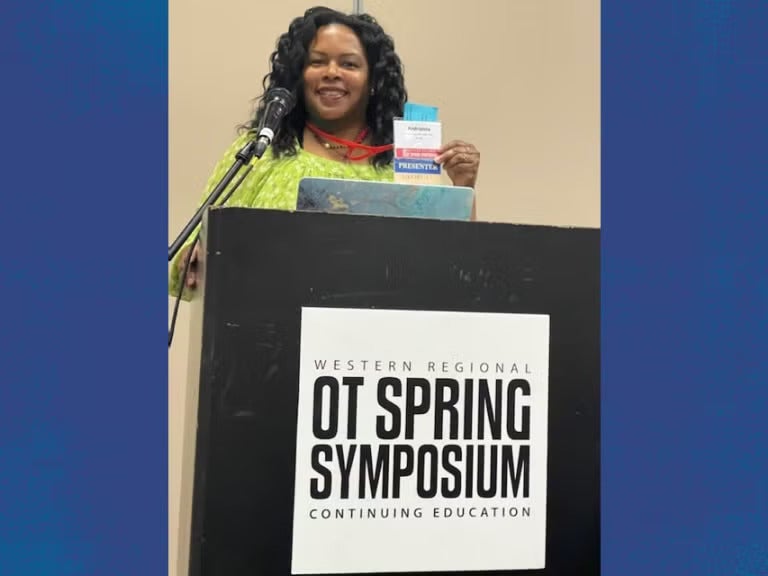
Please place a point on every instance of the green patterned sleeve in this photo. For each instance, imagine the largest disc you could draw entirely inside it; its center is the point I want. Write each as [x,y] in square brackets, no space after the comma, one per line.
[221,168]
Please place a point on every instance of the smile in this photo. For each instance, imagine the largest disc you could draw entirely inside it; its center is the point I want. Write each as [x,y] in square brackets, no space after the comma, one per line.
[331,93]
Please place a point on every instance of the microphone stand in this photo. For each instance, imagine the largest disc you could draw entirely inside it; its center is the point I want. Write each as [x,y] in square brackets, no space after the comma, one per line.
[254,147]
[280,102]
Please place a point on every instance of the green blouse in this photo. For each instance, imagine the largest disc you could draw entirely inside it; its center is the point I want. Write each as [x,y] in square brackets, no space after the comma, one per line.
[274,184]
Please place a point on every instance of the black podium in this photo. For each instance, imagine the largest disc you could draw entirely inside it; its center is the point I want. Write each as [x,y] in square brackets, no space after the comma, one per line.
[260,268]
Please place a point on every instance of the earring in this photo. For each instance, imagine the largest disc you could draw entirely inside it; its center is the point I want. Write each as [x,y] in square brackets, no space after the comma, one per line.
[373,91]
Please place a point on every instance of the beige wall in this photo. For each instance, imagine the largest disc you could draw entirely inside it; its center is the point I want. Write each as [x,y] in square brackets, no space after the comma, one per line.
[518,78]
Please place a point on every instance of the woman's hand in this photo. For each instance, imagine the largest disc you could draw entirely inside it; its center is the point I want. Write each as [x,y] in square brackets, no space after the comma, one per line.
[182,262]
[461,161]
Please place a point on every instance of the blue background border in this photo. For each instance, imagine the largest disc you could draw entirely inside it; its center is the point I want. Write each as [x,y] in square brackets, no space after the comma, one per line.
[83,432]
[685,288]
[83,442]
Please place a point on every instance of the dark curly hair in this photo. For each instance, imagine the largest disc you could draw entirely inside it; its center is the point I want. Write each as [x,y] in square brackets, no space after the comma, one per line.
[385,77]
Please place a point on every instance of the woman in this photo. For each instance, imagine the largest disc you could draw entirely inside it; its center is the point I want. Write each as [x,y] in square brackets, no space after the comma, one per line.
[349,86]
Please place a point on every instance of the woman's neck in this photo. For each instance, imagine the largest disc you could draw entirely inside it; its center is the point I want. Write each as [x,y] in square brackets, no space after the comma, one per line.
[348,130]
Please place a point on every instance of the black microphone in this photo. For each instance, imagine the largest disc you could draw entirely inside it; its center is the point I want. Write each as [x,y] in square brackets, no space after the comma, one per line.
[279,102]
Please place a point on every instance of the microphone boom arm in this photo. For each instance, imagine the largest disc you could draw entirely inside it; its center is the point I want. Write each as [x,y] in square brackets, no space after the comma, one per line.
[243,156]
[279,101]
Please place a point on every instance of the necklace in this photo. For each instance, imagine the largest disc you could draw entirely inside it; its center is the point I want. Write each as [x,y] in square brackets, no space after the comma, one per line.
[339,143]
[327,145]
[331,142]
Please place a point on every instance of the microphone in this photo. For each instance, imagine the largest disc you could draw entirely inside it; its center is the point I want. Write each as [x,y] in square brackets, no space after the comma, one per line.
[279,102]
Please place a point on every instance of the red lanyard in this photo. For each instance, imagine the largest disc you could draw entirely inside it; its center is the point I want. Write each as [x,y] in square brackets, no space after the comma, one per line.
[366,151]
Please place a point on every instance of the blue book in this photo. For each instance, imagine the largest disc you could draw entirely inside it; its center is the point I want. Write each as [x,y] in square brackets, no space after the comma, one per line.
[385,199]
